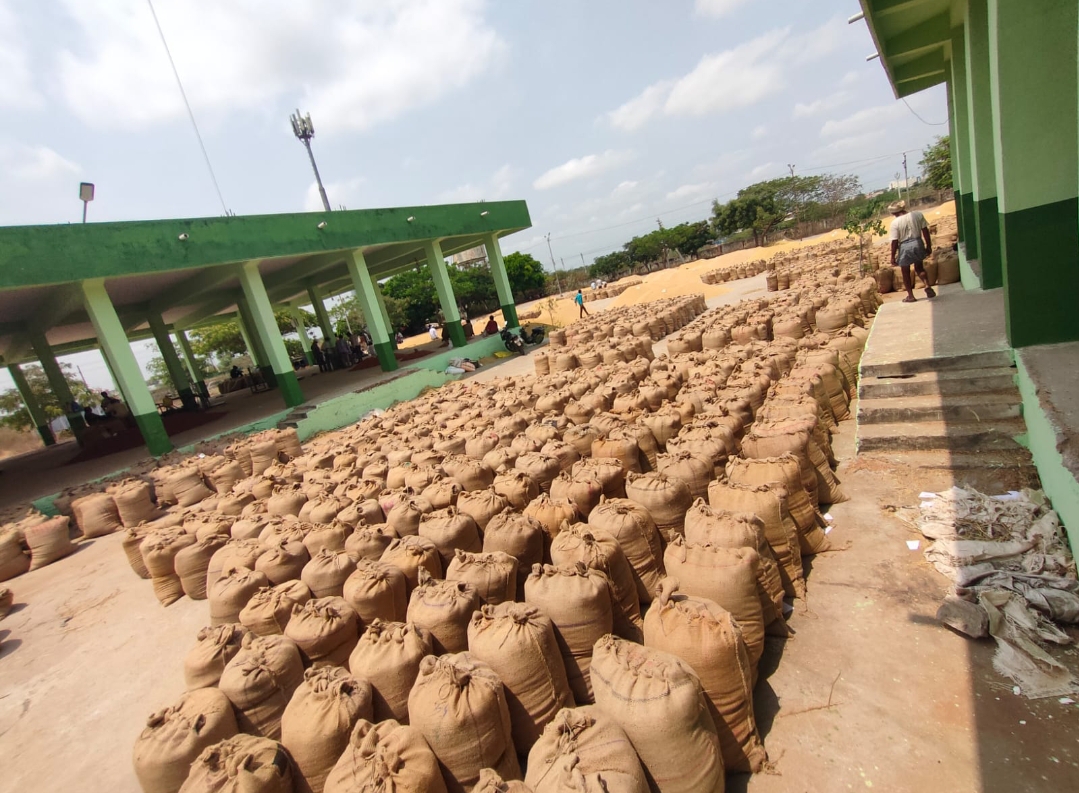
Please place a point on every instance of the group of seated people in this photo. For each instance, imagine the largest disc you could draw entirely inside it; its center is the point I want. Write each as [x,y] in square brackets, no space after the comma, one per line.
[342,351]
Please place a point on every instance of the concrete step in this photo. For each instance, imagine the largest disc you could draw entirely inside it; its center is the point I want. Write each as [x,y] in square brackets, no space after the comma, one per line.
[929,435]
[935,407]
[959,381]
[976,360]
[989,471]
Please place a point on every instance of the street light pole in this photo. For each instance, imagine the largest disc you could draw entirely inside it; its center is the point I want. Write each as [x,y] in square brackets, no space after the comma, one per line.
[305,130]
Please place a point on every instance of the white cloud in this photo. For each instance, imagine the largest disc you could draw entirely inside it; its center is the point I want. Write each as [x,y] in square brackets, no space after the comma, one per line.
[34,163]
[349,193]
[624,188]
[823,105]
[495,188]
[759,133]
[691,191]
[717,8]
[581,168]
[373,64]
[637,111]
[16,84]
[850,78]
[868,120]
[762,170]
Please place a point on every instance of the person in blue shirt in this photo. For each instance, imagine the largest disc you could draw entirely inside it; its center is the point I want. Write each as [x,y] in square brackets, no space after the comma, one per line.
[579,300]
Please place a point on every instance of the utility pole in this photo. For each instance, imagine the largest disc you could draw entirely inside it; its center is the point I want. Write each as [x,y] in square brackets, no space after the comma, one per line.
[554,265]
[582,261]
[789,165]
[906,178]
[305,130]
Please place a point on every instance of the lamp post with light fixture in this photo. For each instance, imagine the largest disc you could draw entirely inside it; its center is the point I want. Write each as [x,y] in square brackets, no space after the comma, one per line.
[86,194]
[305,130]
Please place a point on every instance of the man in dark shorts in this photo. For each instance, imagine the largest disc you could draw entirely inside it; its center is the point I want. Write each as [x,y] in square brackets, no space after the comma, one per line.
[910,246]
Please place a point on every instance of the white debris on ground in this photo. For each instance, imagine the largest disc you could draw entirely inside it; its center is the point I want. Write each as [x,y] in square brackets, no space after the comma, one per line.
[1014,579]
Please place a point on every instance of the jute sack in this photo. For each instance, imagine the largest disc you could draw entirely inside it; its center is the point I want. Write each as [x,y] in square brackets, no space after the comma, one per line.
[214,647]
[286,500]
[282,561]
[607,470]
[459,706]
[551,514]
[235,553]
[7,600]
[14,562]
[96,515]
[470,474]
[326,573]
[325,630]
[517,487]
[600,551]
[176,735]
[726,576]
[230,593]
[411,554]
[269,610]
[49,542]
[518,642]
[187,486]
[376,590]
[583,490]
[242,763]
[406,515]
[192,562]
[501,460]
[443,609]
[693,469]
[708,638]
[657,699]
[491,782]
[584,749]
[388,657]
[443,493]
[159,551]
[386,756]
[521,537]
[493,576]
[320,718]
[370,542]
[665,498]
[579,601]
[481,505]
[784,472]
[260,681]
[263,454]
[451,530]
[635,532]
[317,537]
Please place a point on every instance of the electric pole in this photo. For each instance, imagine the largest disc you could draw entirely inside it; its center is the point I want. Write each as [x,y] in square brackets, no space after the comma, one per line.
[906,178]
[305,130]
[789,165]
[554,265]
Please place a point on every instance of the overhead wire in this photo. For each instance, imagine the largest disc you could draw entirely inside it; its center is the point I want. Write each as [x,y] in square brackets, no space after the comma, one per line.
[929,123]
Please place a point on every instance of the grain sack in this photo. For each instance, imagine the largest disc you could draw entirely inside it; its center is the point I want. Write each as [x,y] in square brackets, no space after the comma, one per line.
[187,486]
[283,561]
[269,610]
[692,468]
[235,553]
[410,555]
[406,514]
[386,757]
[49,542]
[263,454]
[451,530]
[459,706]
[517,488]
[192,562]
[665,498]
[363,512]
[443,609]
[287,442]
[214,648]
[443,493]
[481,506]
[657,699]
[317,537]
[579,602]
[551,514]
[225,476]
[608,471]
[286,500]
[322,508]
[388,657]
[491,782]
[370,542]
[260,681]
[325,574]
[726,576]
[565,453]
[14,562]
[230,593]
[325,630]
[493,576]
[208,525]
[600,551]
[319,720]
[542,468]
[377,590]
[708,638]
[582,489]
[635,532]
[7,600]
[159,551]
[584,750]
[784,472]
[468,473]
[242,763]
[175,736]
[501,460]
[97,515]
[519,536]
[581,437]
[518,642]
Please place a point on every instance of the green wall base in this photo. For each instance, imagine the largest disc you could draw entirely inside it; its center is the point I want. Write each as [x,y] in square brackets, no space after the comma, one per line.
[153,432]
[959,229]
[386,359]
[989,243]
[1041,274]
[967,276]
[509,314]
[290,389]
[457,333]
[45,431]
[970,224]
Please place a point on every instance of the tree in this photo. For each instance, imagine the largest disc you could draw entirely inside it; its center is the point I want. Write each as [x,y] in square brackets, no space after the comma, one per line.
[13,412]
[416,292]
[688,238]
[838,190]
[223,341]
[861,221]
[526,275]
[610,266]
[937,164]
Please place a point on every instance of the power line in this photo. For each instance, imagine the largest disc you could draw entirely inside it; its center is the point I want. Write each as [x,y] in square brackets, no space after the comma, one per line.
[930,123]
[190,113]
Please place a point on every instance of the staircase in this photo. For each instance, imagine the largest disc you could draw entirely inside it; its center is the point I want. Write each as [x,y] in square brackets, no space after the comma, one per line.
[952,420]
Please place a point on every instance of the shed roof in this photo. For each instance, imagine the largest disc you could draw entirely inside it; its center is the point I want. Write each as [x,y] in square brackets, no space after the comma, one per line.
[913,38]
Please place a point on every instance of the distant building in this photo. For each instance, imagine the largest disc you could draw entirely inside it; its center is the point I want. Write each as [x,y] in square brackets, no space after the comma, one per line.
[473,257]
[903,183]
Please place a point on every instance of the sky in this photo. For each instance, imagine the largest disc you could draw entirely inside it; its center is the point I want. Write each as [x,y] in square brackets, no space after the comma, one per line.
[605,116]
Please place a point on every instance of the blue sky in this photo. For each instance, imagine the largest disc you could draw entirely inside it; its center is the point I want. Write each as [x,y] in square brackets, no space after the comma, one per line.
[602,115]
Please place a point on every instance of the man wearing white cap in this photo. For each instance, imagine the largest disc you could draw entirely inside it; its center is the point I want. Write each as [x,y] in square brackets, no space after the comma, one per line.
[910,246]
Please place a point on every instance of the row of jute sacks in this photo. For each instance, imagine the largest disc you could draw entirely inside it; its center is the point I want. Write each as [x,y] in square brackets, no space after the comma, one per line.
[646,321]
[735,272]
[611,290]
[508,508]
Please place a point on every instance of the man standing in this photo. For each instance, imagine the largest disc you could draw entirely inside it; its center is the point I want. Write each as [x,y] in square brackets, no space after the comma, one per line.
[910,245]
[579,300]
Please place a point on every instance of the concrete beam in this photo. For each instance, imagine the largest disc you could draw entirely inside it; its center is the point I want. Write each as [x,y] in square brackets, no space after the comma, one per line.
[885,7]
[927,35]
[930,64]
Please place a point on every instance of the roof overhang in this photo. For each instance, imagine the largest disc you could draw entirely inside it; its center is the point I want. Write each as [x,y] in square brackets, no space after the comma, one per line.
[913,39]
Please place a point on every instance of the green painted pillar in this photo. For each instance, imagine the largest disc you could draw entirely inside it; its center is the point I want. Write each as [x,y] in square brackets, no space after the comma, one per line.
[1037,166]
[956,165]
[982,144]
[501,279]
[301,331]
[436,262]
[265,327]
[33,407]
[124,367]
[961,141]
[254,343]
[314,292]
[180,380]
[390,329]
[376,324]
[193,368]
[57,381]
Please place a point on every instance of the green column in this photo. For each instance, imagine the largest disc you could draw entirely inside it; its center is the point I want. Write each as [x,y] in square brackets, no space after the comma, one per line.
[1037,166]
[125,369]
[265,327]
[301,331]
[57,381]
[956,165]
[314,292]
[180,380]
[501,279]
[382,309]
[436,262]
[193,368]
[961,138]
[255,346]
[366,294]
[33,407]
[982,156]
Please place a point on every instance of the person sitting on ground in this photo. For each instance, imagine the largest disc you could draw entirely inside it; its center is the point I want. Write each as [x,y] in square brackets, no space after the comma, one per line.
[236,373]
[910,245]
[107,401]
[432,331]
[399,338]
[579,300]
[491,328]
[469,330]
